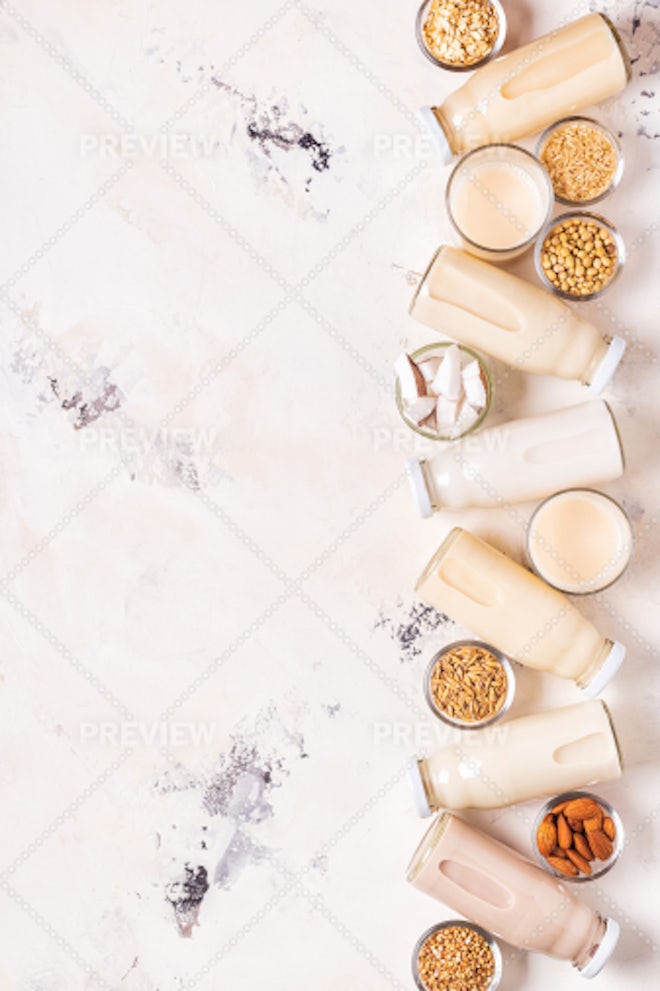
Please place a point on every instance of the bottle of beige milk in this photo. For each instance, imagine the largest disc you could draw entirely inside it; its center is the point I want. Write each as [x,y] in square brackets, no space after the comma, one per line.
[520,460]
[558,75]
[510,608]
[527,327]
[494,886]
[543,754]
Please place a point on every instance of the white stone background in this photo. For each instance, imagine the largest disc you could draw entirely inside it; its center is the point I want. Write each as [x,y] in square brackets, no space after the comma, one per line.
[206,531]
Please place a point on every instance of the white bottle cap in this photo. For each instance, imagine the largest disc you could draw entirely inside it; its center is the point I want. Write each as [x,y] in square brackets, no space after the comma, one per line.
[419,487]
[417,789]
[604,951]
[609,668]
[608,366]
[436,135]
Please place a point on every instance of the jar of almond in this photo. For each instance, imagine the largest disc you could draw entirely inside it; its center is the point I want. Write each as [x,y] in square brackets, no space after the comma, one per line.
[579,255]
[577,836]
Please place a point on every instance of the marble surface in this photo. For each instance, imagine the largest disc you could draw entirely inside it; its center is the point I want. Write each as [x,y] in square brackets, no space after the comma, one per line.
[211,652]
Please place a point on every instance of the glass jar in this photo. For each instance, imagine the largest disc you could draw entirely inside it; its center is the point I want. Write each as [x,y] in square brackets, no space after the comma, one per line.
[576,279]
[463,927]
[566,177]
[467,356]
[464,64]
[597,867]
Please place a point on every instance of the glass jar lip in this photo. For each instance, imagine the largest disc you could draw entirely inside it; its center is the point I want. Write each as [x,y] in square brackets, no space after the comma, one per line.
[580,215]
[611,137]
[579,491]
[528,157]
[510,685]
[493,945]
[606,865]
[459,67]
[487,379]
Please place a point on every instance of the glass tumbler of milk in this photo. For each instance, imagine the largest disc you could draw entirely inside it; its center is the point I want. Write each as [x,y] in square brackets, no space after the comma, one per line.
[507,606]
[495,887]
[541,754]
[579,541]
[520,460]
[529,328]
[498,200]
[522,92]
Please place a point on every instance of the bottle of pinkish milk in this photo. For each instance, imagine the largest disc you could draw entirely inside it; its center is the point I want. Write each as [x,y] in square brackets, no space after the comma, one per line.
[495,887]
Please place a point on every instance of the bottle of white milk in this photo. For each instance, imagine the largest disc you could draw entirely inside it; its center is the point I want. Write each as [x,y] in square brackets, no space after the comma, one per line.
[520,460]
[545,753]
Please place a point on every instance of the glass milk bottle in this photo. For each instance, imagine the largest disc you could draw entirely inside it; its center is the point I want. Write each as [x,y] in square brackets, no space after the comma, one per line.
[520,460]
[507,606]
[495,887]
[543,754]
[558,75]
[507,317]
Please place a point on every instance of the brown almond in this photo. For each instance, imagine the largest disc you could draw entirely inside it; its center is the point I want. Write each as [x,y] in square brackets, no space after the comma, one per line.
[558,852]
[582,847]
[566,867]
[581,863]
[582,808]
[559,808]
[600,844]
[546,836]
[564,834]
[575,825]
[609,828]
[593,823]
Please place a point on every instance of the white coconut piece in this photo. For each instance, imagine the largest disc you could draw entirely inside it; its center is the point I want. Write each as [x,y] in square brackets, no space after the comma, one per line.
[411,380]
[475,392]
[419,409]
[446,414]
[447,381]
[472,370]
[466,418]
[429,368]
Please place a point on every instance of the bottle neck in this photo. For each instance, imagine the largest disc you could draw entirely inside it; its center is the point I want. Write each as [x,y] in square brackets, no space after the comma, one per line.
[429,482]
[591,944]
[590,672]
[451,136]
[597,359]
[428,786]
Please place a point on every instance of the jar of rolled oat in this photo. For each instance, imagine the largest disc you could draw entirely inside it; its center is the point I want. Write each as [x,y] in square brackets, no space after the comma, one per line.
[461,34]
